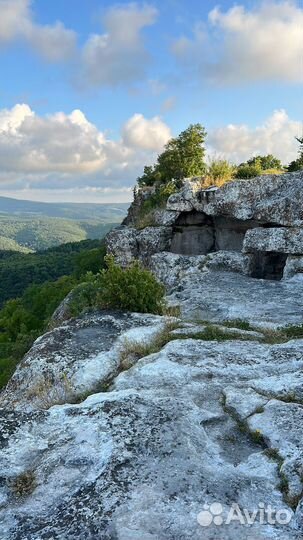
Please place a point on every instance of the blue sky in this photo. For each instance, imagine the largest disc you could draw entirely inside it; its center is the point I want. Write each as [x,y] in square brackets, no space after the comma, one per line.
[137,74]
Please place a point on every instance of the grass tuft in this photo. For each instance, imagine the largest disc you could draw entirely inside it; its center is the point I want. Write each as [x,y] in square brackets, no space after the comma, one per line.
[23,485]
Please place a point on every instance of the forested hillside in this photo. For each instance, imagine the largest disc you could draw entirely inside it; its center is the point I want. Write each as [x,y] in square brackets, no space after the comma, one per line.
[27,226]
[31,288]
[29,234]
[19,270]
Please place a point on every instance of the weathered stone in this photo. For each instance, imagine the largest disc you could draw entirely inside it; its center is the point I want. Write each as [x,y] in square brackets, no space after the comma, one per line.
[218,296]
[127,245]
[281,239]
[281,424]
[261,215]
[122,244]
[275,199]
[164,217]
[63,312]
[142,460]
[78,357]
[159,437]
[171,269]
[186,200]
[153,240]
[294,266]
[227,261]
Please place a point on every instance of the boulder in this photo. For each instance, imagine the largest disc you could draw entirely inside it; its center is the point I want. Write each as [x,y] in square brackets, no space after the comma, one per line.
[275,199]
[281,239]
[128,244]
[294,266]
[153,240]
[122,244]
[77,358]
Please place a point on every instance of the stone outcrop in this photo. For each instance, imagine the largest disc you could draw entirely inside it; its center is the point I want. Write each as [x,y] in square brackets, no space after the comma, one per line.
[128,244]
[106,433]
[281,239]
[261,218]
[75,358]
[163,440]
[267,199]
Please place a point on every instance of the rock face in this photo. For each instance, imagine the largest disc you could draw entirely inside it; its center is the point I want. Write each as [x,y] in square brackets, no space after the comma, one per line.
[79,357]
[142,459]
[107,434]
[261,218]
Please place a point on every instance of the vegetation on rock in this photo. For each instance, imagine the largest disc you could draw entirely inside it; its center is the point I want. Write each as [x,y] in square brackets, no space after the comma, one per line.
[297,164]
[131,289]
[183,157]
[19,271]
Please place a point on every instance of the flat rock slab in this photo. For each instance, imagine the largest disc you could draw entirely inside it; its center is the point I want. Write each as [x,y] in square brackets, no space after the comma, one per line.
[75,359]
[141,460]
[221,296]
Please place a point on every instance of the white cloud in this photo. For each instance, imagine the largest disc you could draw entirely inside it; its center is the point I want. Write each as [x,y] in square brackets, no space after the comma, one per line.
[68,154]
[67,150]
[275,136]
[53,42]
[118,55]
[243,46]
[150,134]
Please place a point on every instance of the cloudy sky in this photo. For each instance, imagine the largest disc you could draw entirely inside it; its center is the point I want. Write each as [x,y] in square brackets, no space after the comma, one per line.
[91,90]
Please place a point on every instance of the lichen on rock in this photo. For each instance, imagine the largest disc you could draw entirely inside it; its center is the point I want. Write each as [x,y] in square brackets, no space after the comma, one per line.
[109,432]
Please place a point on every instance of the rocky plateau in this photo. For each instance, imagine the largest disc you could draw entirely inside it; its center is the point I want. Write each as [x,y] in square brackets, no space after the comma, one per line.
[166,445]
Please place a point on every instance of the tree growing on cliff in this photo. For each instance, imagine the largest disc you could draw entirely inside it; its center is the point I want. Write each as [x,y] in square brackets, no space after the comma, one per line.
[266,162]
[183,157]
[297,164]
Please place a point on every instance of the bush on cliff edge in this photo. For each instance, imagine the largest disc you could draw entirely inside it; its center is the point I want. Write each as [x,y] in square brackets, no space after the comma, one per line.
[130,289]
[127,289]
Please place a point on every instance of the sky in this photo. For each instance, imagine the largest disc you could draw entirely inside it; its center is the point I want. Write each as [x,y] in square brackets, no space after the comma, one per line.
[92,90]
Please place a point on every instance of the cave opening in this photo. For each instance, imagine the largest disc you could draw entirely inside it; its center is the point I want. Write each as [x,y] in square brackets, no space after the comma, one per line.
[196,233]
[267,265]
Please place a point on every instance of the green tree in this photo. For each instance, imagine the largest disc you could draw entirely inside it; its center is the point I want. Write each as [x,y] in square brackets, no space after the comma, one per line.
[297,164]
[266,162]
[183,157]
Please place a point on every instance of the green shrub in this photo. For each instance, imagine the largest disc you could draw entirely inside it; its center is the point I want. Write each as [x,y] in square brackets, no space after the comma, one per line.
[295,332]
[84,296]
[220,171]
[248,171]
[131,289]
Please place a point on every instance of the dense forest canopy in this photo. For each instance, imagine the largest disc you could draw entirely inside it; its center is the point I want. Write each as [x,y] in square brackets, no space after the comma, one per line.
[34,285]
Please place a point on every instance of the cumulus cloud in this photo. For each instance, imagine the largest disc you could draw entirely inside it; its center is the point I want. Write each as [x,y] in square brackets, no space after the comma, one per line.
[118,55]
[147,134]
[68,153]
[243,46]
[275,136]
[61,150]
[53,42]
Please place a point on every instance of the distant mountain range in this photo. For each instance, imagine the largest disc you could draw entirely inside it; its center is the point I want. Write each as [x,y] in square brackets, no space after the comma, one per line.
[29,226]
[107,212]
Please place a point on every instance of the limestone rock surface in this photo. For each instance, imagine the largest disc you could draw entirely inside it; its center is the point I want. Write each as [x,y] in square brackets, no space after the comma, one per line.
[142,459]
